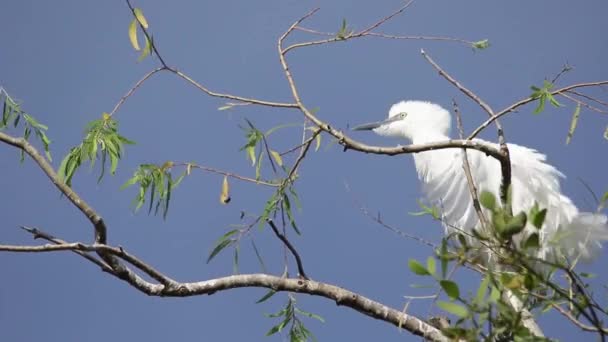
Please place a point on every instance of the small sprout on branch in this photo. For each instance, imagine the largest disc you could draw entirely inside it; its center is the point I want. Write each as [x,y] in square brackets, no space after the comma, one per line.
[102,139]
[344,31]
[433,211]
[480,45]
[543,95]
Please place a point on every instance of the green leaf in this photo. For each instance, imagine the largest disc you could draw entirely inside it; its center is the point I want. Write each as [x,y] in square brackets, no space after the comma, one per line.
[223,242]
[146,51]
[454,309]
[277,157]
[481,44]
[267,296]
[487,200]
[539,218]
[417,267]
[482,290]
[450,288]
[133,34]
[310,315]
[140,17]
[277,328]
[430,265]
[573,123]
[532,241]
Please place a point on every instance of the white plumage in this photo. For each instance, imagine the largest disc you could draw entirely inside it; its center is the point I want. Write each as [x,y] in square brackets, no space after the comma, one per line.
[566,231]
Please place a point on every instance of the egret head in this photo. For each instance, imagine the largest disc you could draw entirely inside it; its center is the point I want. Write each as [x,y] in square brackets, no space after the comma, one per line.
[412,120]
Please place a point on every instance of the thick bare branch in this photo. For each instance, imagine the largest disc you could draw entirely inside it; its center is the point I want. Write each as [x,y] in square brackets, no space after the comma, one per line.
[341,296]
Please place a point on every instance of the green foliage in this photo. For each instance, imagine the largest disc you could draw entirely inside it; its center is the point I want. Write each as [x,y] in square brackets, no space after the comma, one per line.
[573,123]
[224,241]
[344,31]
[543,94]
[417,267]
[12,114]
[101,141]
[139,20]
[481,44]
[155,182]
[537,216]
[487,200]
[433,211]
[290,315]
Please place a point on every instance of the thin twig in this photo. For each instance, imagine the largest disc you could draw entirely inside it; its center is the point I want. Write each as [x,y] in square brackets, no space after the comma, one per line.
[132,90]
[467,171]
[527,100]
[148,36]
[590,98]
[228,174]
[291,248]
[505,160]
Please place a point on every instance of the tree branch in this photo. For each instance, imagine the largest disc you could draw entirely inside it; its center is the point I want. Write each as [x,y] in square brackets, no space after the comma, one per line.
[77,201]
[289,246]
[340,295]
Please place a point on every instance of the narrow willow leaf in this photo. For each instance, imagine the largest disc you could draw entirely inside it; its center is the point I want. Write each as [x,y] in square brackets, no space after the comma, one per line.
[417,267]
[133,34]
[310,314]
[267,296]
[539,218]
[140,17]
[430,265]
[277,157]
[251,154]
[482,290]
[219,247]
[146,51]
[443,258]
[450,288]
[454,309]
[225,194]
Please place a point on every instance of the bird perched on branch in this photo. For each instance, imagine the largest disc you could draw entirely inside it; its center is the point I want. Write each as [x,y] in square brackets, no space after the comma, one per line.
[564,232]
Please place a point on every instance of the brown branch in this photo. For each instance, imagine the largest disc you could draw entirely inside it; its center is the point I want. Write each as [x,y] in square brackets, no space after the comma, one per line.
[132,90]
[590,98]
[583,103]
[77,201]
[80,248]
[467,171]
[289,246]
[228,96]
[360,34]
[341,296]
[227,174]
[39,235]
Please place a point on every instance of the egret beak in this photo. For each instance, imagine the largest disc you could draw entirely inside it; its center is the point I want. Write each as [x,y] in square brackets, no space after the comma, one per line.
[373,125]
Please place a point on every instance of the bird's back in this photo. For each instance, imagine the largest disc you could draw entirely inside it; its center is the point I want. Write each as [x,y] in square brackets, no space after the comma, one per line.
[533,180]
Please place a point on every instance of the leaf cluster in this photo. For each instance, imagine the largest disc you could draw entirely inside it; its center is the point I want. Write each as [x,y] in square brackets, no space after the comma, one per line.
[101,141]
[12,115]
[155,182]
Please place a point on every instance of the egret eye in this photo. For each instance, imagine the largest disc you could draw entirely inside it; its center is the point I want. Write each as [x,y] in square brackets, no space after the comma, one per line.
[402,115]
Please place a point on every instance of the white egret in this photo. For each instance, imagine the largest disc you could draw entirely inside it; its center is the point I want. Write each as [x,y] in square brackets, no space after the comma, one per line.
[566,232]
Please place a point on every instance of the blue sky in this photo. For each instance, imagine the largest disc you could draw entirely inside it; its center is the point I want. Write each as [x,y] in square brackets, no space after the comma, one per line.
[70,61]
